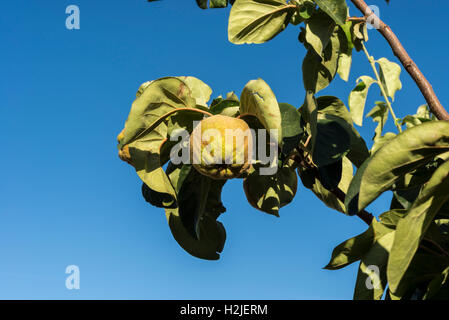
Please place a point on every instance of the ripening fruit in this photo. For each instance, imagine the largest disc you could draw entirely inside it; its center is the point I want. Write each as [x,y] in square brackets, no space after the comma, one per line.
[221,147]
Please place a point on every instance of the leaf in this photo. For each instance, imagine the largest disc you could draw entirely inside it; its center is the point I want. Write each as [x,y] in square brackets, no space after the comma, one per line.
[309,114]
[413,227]
[258,99]
[157,199]
[304,10]
[202,4]
[380,115]
[381,141]
[199,90]
[436,284]
[419,273]
[319,71]
[213,3]
[319,29]
[200,208]
[142,88]
[351,250]
[269,193]
[346,47]
[391,218]
[357,98]
[336,9]
[372,278]
[330,175]
[292,132]
[402,154]
[355,248]
[226,107]
[328,198]
[218,3]
[390,73]
[332,142]
[257,21]
[334,109]
[146,129]
[333,106]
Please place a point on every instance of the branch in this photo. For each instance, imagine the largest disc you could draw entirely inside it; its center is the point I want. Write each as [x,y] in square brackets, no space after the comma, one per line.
[409,65]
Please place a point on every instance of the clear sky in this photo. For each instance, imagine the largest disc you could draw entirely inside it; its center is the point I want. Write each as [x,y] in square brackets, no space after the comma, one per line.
[66,198]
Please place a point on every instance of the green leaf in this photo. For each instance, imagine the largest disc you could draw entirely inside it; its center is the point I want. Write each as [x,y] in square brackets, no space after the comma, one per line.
[330,175]
[333,106]
[391,218]
[292,131]
[402,154]
[346,47]
[336,9]
[218,3]
[226,107]
[436,284]
[257,21]
[142,88]
[213,3]
[389,73]
[372,277]
[358,151]
[269,193]
[381,141]
[332,142]
[380,115]
[146,128]
[199,90]
[352,250]
[359,34]
[357,98]
[309,114]
[319,71]
[328,198]
[334,109]
[202,4]
[258,99]
[319,29]
[157,199]
[304,10]
[412,228]
[198,210]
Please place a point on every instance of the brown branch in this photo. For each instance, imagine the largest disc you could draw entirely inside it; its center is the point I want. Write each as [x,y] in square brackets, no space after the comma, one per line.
[357,19]
[409,65]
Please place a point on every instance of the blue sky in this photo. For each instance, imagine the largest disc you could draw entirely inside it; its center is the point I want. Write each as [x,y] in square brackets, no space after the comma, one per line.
[67,199]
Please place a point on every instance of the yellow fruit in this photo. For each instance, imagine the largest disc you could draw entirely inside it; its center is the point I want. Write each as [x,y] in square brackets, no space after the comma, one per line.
[221,147]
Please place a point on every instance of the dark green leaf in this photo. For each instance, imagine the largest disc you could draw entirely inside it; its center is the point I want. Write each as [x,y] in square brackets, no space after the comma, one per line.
[292,131]
[336,9]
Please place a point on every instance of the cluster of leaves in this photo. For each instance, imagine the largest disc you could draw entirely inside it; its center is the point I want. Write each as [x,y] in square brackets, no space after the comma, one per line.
[408,245]
[192,201]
